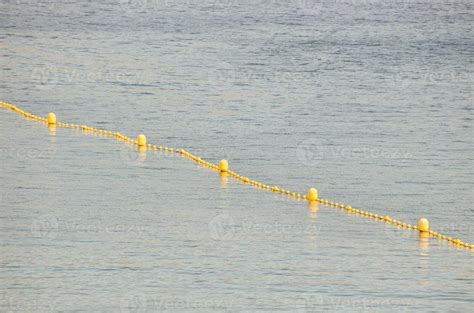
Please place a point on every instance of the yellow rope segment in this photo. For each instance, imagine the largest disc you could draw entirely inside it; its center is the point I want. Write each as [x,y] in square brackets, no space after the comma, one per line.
[423,225]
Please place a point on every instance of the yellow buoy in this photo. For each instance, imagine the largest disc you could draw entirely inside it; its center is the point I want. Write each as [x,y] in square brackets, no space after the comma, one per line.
[313,194]
[223,166]
[423,225]
[51,118]
[141,140]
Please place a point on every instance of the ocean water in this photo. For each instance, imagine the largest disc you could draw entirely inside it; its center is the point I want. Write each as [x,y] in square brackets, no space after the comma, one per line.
[370,101]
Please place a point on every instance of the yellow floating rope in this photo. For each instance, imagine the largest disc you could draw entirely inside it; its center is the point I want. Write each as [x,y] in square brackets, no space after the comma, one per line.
[223,169]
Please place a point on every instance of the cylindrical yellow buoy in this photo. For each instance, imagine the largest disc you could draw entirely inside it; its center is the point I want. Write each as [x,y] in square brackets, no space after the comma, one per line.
[51,118]
[313,194]
[141,140]
[423,225]
[223,166]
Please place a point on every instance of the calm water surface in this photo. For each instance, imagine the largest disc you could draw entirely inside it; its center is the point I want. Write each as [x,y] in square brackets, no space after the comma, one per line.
[369,101]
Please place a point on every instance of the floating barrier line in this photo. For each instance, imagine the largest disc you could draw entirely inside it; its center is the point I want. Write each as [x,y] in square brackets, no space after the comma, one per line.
[223,168]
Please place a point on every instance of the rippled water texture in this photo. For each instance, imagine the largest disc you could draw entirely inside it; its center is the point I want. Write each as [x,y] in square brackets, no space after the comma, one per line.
[369,101]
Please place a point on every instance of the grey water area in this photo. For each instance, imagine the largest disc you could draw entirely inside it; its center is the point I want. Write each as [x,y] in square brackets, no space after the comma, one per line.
[371,102]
